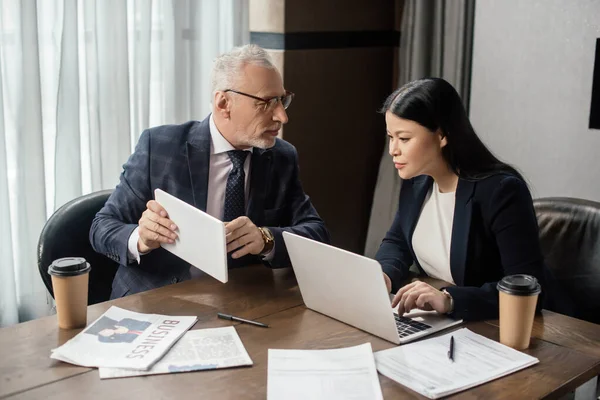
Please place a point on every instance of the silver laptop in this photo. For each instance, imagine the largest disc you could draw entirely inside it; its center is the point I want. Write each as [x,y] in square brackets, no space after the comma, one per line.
[351,289]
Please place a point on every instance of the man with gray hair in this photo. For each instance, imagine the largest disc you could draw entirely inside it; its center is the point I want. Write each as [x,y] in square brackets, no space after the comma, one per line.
[230,165]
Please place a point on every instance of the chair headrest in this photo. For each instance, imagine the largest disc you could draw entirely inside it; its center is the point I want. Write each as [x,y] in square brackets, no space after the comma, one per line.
[570,241]
[66,234]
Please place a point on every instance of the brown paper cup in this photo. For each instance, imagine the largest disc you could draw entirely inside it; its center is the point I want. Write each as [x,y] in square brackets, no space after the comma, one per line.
[71,296]
[516,319]
[70,278]
[518,299]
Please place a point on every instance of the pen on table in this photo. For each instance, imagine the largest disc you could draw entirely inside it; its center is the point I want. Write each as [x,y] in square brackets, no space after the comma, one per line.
[451,351]
[238,319]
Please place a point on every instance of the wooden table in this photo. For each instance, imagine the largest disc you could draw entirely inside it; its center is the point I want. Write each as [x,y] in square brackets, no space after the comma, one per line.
[565,331]
[567,348]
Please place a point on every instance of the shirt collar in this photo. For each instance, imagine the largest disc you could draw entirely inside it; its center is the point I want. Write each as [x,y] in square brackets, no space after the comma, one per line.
[218,143]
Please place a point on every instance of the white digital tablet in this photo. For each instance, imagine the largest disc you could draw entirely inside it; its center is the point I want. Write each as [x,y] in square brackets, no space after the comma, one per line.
[201,240]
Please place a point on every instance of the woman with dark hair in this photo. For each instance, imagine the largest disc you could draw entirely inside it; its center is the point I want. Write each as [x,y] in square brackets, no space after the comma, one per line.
[463,216]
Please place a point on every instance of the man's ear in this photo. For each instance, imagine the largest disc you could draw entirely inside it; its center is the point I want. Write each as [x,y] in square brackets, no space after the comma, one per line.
[222,104]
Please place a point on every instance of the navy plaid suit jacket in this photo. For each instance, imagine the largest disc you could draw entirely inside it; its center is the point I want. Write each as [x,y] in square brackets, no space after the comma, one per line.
[175,158]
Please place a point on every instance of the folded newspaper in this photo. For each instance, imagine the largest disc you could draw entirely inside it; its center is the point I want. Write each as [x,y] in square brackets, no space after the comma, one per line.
[124,339]
[197,350]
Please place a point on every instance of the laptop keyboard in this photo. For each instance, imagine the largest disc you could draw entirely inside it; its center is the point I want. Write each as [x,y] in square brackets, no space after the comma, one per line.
[407,326]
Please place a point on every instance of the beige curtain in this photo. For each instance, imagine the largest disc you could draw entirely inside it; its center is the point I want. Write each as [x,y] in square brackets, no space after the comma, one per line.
[79,81]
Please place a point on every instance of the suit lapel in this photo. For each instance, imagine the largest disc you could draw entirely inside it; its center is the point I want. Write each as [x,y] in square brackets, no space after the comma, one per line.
[463,209]
[198,156]
[259,173]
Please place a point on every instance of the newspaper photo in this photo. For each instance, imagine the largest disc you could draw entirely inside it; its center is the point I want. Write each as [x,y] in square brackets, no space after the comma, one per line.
[124,339]
[197,350]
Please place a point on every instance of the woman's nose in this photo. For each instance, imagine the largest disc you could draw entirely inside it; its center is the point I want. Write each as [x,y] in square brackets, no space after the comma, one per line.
[394,149]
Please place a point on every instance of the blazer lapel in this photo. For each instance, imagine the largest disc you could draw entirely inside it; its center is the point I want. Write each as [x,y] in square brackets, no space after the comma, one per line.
[463,209]
[198,156]
[259,184]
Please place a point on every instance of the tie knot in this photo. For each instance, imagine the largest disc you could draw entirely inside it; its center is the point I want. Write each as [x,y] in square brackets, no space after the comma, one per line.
[237,157]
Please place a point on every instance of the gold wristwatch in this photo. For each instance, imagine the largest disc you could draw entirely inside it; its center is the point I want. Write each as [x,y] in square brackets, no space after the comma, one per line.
[269,240]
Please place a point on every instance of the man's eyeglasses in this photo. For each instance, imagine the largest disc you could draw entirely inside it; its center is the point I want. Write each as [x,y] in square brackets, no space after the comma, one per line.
[270,103]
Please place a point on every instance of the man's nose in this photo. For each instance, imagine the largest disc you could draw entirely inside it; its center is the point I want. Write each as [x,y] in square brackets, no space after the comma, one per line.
[280,114]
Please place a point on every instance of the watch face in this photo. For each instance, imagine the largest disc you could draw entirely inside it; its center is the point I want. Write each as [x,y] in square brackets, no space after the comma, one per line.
[268,234]
[268,239]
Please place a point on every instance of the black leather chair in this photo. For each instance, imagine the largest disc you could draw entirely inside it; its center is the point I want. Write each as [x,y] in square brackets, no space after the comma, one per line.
[66,234]
[570,240]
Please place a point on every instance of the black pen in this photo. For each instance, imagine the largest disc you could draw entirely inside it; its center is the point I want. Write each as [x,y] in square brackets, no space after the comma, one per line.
[451,351]
[238,319]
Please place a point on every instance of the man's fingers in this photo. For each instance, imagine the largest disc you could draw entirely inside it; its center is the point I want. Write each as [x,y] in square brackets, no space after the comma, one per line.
[241,252]
[157,208]
[166,222]
[152,226]
[162,231]
[155,227]
[247,240]
[239,242]
[151,236]
[238,233]
[252,247]
[236,224]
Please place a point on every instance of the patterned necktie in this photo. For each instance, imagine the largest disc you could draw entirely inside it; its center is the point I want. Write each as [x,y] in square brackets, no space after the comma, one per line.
[235,198]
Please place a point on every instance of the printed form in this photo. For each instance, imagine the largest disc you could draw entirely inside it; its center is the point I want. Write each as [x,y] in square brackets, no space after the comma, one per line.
[347,373]
[425,367]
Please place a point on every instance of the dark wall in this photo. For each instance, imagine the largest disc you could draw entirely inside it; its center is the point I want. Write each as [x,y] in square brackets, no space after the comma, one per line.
[338,56]
[338,133]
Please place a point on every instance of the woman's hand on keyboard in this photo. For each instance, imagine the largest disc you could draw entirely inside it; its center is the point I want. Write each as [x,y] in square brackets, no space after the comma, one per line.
[422,296]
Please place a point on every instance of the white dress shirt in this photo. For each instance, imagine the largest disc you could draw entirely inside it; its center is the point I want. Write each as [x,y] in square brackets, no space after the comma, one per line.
[218,172]
[433,234]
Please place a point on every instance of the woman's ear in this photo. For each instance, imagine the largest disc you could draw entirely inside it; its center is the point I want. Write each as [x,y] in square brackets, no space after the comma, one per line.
[443,138]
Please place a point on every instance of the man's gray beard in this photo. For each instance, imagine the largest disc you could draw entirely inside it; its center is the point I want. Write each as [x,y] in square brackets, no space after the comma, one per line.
[261,143]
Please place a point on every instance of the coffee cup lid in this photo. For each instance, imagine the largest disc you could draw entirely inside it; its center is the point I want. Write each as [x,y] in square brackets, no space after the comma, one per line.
[69,266]
[520,285]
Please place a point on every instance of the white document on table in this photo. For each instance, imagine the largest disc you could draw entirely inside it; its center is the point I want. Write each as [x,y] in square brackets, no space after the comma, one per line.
[347,373]
[425,367]
[201,349]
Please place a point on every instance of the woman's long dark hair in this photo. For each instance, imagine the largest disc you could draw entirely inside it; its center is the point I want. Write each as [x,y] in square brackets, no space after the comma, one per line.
[435,104]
